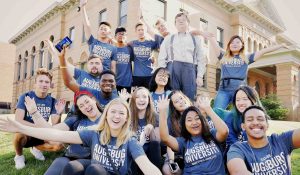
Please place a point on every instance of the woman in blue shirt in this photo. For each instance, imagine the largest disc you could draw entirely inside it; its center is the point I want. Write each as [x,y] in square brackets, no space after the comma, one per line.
[197,144]
[113,147]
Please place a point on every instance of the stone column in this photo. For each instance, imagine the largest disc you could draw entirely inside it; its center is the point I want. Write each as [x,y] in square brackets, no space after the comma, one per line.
[288,88]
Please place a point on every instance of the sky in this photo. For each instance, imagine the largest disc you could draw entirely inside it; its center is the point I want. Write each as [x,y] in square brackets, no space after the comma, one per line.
[16,14]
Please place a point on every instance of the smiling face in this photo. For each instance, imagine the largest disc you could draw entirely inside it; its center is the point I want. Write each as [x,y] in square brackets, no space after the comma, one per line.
[103,31]
[94,66]
[142,99]
[193,123]
[180,102]
[235,46]
[161,78]
[255,124]
[107,83]
[242,101]
[42,84]
[116,116]
[121,37]
[87,106]
[162,29]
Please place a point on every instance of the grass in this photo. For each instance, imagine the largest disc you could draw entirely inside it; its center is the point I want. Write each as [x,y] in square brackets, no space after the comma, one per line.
[36,167]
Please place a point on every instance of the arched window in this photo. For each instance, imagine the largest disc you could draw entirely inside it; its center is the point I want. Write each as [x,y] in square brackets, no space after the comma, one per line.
[254,46]
[249,45]
[41,55]
[51,38]
[32,66]
[19,68]
[50,59]
[257,87]
[260,46]
[25,65]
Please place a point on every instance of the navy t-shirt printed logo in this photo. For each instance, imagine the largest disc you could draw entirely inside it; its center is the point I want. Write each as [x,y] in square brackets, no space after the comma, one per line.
[90,84]
[234,62]
[201,152]
[102,51]
[118,156]
[142,51]
[123,58]
[270,165]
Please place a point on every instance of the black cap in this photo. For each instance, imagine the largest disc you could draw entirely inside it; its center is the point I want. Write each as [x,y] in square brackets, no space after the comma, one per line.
[120,29]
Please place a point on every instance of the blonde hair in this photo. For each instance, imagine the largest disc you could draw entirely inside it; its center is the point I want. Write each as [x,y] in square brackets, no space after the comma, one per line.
[43,71]
[228,56]
[124,135]
[149,115]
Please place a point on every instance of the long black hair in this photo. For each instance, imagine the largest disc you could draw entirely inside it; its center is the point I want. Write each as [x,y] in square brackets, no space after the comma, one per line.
[153,84]
[205,132]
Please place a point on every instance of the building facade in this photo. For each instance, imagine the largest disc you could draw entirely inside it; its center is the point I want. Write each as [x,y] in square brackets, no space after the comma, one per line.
[255,20]
[7,59]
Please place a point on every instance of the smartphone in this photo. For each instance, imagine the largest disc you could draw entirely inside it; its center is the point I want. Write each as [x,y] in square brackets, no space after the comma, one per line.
[173,167]
[64,42]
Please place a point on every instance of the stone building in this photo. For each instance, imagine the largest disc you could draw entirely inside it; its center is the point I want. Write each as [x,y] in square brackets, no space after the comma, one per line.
[255,20]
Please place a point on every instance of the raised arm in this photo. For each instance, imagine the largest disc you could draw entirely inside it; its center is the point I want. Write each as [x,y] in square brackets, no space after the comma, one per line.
[146,166]
[69,81]
[9,125]
[165,137]
[54,53]
[220,125]
[213,43]
[237,166]
[260,53]
[85,18]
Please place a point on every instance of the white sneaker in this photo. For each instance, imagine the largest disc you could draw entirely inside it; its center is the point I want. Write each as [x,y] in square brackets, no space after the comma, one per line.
[20,162]
[37,153]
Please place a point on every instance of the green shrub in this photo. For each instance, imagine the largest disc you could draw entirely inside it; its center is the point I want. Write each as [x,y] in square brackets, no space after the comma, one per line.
[274,107]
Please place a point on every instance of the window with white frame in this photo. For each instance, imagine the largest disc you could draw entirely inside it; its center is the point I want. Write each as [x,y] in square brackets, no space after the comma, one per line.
[102,16]
[220,36]
[123,12]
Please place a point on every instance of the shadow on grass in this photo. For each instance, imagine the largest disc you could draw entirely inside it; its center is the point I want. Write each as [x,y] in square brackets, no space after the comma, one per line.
[33,166]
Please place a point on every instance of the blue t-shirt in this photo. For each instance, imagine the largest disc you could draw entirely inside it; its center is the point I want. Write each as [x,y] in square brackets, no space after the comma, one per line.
[99,96]
[87,80]
[76,124]
[155,98]
[159,39]
[45,106]
[141,127]
[122,156]
[123,67]
[235,68]
[199,157]
[235,130]
[105,50]
[142,53]
[271,159]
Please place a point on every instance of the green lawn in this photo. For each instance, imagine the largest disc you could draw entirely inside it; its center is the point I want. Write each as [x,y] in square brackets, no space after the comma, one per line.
[36,167]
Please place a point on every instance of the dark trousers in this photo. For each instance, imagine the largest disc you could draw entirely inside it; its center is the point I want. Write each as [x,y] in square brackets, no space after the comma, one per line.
[141,81]
[183,77]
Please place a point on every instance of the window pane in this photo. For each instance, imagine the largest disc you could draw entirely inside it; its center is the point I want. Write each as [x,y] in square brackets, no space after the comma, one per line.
[123,12]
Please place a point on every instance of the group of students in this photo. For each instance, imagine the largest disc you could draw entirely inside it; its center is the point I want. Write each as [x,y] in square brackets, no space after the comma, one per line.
[146,121]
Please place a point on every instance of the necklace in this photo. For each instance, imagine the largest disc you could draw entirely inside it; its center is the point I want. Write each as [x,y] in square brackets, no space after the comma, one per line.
[253,155]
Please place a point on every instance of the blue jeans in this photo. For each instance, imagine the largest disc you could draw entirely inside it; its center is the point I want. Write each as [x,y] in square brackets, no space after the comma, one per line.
[226,92]
[223,98]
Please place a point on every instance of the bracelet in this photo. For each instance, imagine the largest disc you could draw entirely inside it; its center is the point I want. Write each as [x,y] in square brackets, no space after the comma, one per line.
[33,113]
[63,67]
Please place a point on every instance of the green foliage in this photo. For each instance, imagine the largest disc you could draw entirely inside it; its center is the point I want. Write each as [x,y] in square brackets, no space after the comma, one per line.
[274,107]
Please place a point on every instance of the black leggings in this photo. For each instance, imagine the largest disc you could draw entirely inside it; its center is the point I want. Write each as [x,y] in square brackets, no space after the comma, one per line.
[76,167]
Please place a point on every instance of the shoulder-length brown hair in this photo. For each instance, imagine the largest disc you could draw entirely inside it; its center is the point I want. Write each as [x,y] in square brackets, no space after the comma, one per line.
[150,113]
[229,55]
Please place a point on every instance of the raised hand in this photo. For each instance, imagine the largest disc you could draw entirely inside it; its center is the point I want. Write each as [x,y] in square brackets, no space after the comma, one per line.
[163,103]
[30,105]
[7,124]
[82,3]
[60,106]
[124,95]
[204,102]
[50,46]
[148,129]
